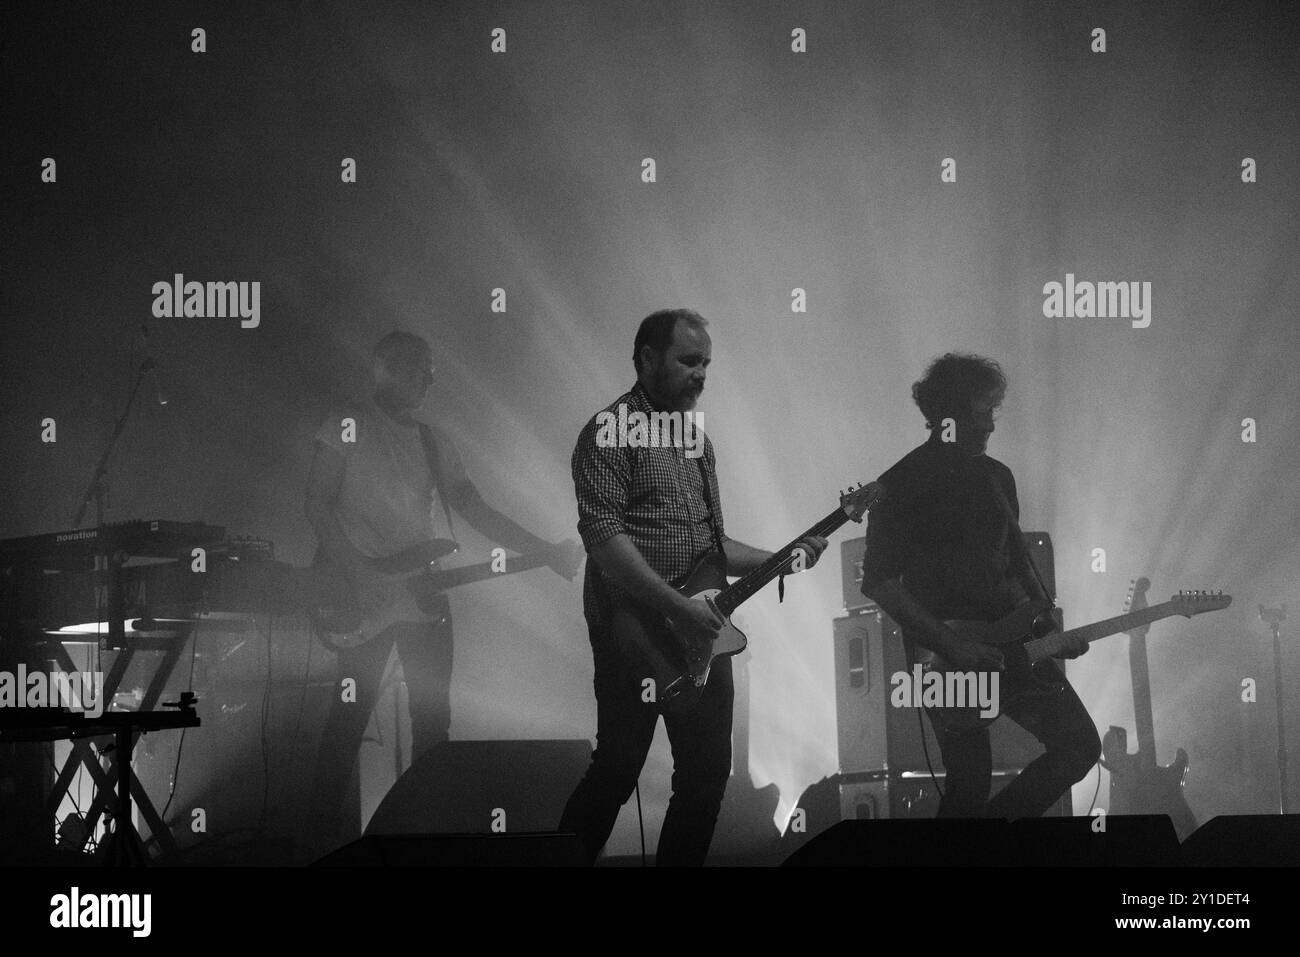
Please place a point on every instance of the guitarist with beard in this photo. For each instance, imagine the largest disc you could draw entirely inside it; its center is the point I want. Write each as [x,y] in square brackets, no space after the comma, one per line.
[947,545]
[371,498]
[647,515]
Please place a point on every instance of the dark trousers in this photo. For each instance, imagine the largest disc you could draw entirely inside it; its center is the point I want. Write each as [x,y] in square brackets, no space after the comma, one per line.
[425,650]
[625,725]
[1059,721]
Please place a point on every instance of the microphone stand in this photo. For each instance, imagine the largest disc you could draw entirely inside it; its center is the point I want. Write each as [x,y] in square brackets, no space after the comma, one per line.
[1274,617]
[97,490]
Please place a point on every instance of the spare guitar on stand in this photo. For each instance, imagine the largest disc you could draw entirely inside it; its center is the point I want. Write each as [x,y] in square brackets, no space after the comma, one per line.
[1138,784]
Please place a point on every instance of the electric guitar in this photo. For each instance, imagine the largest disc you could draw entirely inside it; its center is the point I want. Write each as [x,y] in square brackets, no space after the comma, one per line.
[404,586]
[680,666]
[1138,784]
[1028,636]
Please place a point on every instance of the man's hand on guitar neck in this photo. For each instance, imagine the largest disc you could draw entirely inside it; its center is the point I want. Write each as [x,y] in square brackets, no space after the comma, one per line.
[743,559]
[812,547]
[1075,646]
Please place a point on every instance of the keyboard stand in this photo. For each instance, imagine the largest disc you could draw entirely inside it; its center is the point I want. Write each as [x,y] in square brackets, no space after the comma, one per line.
[109,786]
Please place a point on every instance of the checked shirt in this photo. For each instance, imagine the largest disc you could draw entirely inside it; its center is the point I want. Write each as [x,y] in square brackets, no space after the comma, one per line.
[654,496]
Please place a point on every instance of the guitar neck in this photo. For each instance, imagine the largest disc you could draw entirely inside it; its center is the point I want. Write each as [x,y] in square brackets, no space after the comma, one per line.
[1045,647]
[451,577]
[731,597]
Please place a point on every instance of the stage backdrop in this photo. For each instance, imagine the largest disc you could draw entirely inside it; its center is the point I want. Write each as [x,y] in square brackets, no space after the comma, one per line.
[844,190]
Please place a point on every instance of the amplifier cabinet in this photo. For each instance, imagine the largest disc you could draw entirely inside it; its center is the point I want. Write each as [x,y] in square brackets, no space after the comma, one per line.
[875,736]
[852,551]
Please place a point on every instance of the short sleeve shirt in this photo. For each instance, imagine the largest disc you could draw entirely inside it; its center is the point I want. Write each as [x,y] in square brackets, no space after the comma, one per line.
[386,496]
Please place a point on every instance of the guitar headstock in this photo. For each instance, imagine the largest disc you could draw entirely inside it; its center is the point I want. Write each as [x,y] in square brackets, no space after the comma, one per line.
[856,501]
[1189,603]
[1136,600]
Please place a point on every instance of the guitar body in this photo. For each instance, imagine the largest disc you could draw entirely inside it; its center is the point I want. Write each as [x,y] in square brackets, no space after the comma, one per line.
[402,590]
[1139,785]
[649,642]
[651,647]
[1019,679]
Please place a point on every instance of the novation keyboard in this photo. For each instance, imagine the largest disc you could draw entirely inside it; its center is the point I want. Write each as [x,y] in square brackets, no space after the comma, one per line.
[142,538]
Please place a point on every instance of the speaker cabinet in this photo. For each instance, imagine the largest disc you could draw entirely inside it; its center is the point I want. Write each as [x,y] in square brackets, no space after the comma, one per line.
[851,555]
[853,550]
[1247,840]
[874,735]
[1127,842]
[465,787]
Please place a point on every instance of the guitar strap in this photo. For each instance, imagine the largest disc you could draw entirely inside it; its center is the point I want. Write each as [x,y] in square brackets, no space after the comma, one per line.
[435,468]
[708,501]
[1018,544]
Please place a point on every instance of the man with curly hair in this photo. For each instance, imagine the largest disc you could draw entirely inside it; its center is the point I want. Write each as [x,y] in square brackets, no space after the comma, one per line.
[947,545]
